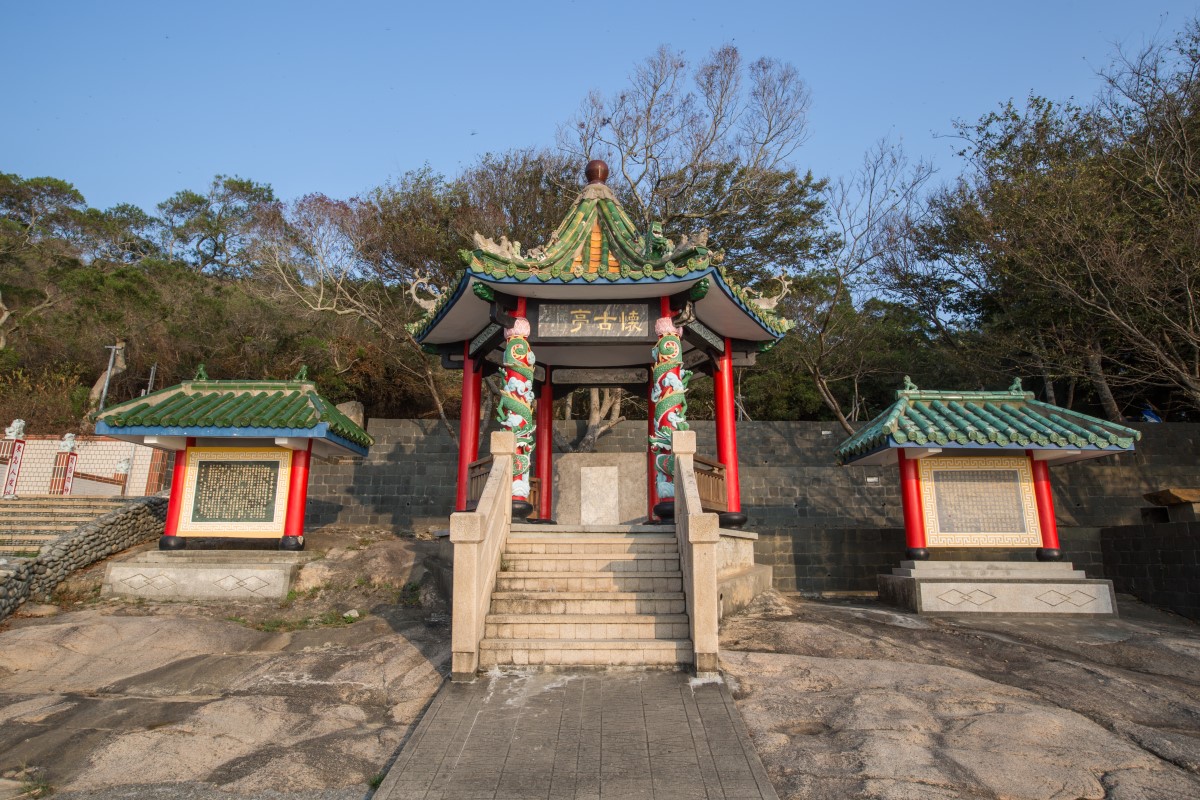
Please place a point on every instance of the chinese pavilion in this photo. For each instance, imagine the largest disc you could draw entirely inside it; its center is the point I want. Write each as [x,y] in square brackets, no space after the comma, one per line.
[242,453]
[599,305]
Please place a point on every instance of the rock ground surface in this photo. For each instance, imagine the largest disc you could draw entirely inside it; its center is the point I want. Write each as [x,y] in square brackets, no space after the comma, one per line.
[853,700]
[180,701]
[295,700]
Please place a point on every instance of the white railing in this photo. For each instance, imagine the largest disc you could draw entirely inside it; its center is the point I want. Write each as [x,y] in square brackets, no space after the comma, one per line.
[698,533]
[479,537]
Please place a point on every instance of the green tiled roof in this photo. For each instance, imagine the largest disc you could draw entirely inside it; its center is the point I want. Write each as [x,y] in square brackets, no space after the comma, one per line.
[1010,419]
[624,256]
[235,404]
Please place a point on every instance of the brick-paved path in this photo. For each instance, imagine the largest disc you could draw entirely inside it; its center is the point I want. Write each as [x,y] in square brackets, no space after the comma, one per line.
[579,736]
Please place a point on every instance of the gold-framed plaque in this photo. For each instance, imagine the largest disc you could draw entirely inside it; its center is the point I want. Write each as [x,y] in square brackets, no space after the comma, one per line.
[238,492]
[979,502]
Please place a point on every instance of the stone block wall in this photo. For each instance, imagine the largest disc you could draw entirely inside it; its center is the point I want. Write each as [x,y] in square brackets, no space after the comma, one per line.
[138,521]
[1159,564]
[821,527]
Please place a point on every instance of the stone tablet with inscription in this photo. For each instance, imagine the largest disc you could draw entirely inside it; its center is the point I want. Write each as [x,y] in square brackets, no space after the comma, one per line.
[979,502]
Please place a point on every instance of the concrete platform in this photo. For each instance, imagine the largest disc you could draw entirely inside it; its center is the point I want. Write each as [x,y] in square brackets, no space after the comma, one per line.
[579,735]
[1032,588]
[204,574]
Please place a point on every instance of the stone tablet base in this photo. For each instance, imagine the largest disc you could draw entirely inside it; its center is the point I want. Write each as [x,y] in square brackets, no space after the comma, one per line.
[996,587]
[204,575]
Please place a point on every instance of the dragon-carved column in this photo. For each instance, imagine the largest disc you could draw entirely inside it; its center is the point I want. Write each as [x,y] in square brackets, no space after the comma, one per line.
[515,408]
[668,390]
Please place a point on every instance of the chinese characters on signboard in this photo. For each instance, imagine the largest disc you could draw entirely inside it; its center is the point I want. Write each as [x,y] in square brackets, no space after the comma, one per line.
[593,320]
[235,491]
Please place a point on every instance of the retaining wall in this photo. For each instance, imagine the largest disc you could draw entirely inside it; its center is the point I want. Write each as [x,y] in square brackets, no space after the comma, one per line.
[138,521]
[1157,563]
[821,527]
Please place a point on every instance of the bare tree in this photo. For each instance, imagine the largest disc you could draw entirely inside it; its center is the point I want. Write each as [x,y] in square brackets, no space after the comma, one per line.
[863,211]
[709,148]
[316,250]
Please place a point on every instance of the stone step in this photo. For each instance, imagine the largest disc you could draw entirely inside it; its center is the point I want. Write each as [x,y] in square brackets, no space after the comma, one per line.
[31,516]
[10,549]
[999,574]
[599,544]
[573,652]
[588,603]
[45,526]
[1023,566]
[28,536]
[586,626]
[595,562]
[526,529]
[62,501]
[667,581]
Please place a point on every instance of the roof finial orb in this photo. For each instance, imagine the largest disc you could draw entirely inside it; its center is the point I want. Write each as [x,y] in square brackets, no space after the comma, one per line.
[596,171]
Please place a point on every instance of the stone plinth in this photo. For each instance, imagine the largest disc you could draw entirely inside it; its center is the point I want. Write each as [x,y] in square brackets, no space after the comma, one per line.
[995,587]
[628,490]
[204,575]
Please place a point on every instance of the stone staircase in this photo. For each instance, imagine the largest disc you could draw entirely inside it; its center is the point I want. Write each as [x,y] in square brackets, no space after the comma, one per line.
[32,522]
[599,596]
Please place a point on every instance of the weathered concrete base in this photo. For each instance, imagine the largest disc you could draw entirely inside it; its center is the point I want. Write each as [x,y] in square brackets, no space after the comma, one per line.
[204,575]
[737,590]
[995,587]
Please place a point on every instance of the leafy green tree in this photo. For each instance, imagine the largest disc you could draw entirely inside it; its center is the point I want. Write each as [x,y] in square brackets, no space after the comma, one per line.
[209,230]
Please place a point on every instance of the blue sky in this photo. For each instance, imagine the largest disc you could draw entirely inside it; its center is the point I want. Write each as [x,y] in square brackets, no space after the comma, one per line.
[132,101]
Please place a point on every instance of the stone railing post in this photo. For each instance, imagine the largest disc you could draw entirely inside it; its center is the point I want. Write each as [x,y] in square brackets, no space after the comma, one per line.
[698,534]
[478,537]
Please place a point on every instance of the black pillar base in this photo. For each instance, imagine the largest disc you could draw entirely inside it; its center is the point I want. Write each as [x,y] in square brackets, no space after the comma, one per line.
[1049,554]
[665,510]
[917,554]
[521,509]
[732,519]
[293,543]
[172,543]
[541,522]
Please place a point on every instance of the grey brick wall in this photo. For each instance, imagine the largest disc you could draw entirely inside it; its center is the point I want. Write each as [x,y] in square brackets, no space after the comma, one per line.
[821,527]
[1159,564]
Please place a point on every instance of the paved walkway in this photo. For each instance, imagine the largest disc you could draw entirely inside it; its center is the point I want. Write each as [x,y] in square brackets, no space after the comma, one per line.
[580,736]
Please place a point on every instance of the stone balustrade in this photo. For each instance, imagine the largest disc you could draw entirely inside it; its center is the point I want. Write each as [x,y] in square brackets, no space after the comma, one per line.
[478,538]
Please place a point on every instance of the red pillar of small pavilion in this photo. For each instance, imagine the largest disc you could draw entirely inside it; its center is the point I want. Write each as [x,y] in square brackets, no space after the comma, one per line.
[544,448]
[727,452]
[468,425]
[170,539]
[293,523]
[914,515]
[1042,492]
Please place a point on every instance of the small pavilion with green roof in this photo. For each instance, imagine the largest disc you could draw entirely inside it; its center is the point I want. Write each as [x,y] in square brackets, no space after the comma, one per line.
[601,304]
[974,465]
[242,453]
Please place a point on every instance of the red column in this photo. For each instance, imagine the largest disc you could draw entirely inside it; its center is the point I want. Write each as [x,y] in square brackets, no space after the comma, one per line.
[468,425]
[170,539]
[914,516]
[545,448]
[1049,551]
[651,491]
[727,437]
[293,523]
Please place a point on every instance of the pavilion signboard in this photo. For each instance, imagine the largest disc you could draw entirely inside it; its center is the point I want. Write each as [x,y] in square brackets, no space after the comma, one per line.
[579,322]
